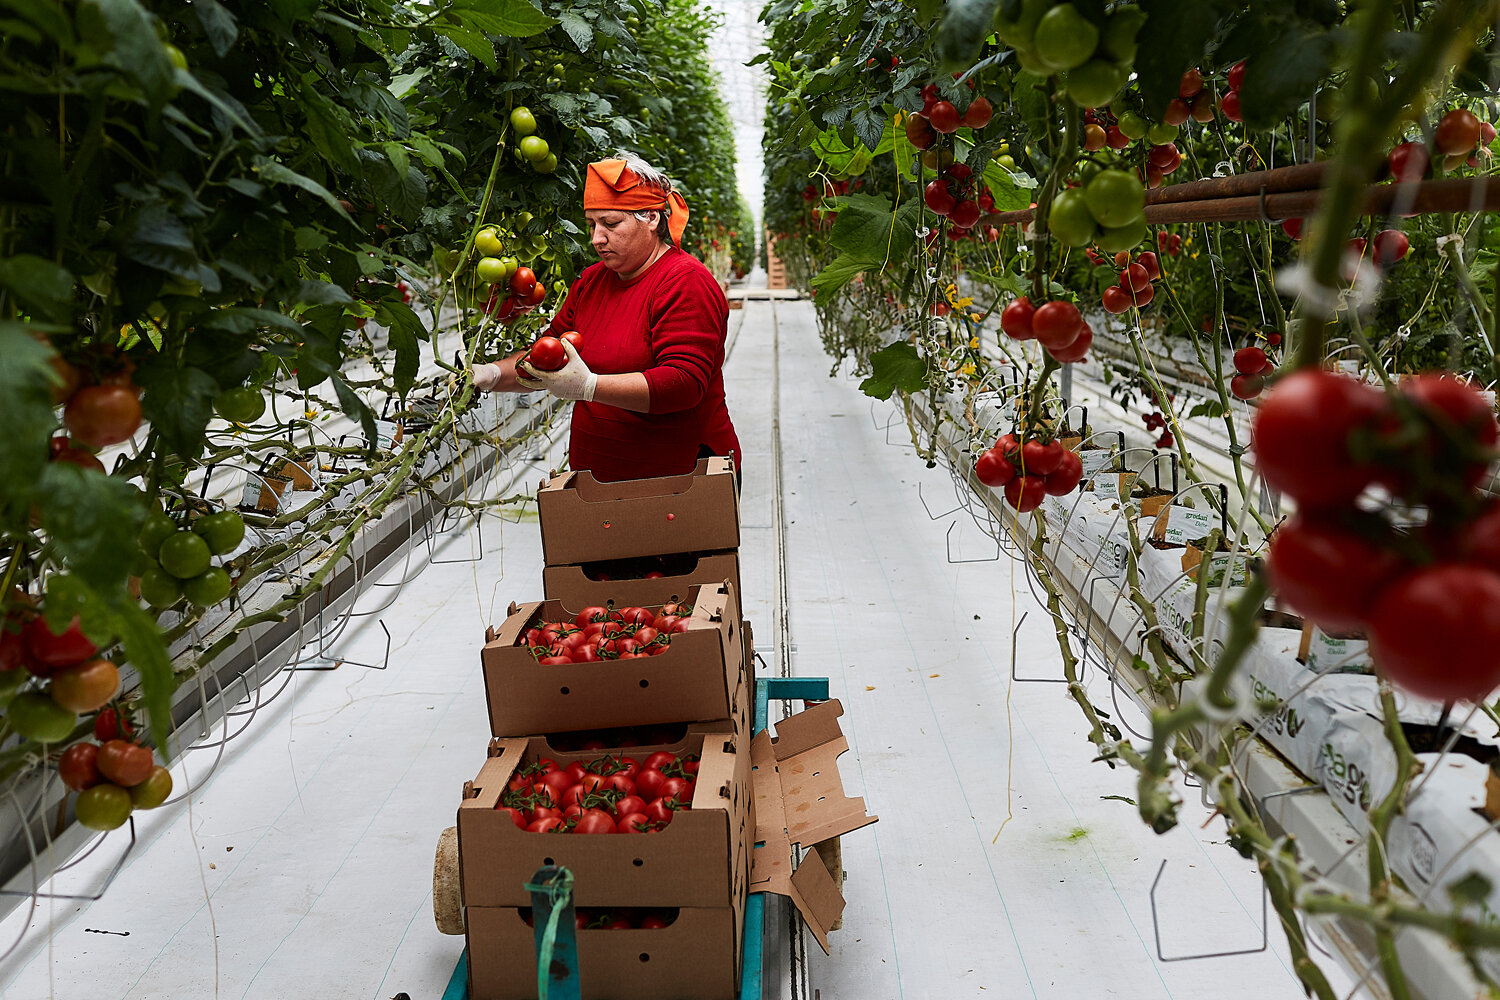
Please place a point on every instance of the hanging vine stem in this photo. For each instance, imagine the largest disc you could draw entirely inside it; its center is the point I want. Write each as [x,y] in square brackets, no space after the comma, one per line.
[1407,767]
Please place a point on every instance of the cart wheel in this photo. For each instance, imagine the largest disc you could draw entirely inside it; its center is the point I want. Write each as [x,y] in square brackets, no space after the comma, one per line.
[447,901]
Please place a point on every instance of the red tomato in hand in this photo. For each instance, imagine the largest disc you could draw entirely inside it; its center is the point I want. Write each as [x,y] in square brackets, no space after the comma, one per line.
[547,355]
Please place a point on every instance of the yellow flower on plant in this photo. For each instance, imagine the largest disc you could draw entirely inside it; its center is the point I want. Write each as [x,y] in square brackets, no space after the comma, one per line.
[967,369]
[309,414]
[974,341]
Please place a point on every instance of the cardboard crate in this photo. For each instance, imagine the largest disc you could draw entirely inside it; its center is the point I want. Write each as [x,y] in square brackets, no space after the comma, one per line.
[573,586]
[697,861]
[584,520]
[700,677]
[696,957]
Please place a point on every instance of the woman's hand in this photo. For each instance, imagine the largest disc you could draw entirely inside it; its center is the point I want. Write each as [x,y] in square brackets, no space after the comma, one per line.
[486,377]
[572,381]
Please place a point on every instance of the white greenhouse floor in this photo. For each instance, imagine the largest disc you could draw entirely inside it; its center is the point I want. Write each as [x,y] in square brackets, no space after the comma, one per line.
[302,867]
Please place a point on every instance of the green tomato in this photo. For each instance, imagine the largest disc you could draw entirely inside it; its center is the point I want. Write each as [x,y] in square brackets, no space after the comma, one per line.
[534,148]
[106,806]
[153,791]
[1095,83]
[240,405]
[1065,38]
[1330,104]
[184,555]
[35,716]
[207,588]
[1133,126]
[1019,32]
[1123,237]
[491,270]
[1120,33]
[175,54]
[523,220]
[487,241]
[1161,133]
[558,69]
[1070,220]
[159,588]
[1115,198]
[510,264]
[546,166]
[1007,161]
[523,121]
[12,681]
[157,528]
[222,530]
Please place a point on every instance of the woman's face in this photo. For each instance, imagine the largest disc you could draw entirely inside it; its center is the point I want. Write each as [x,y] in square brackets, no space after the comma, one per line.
[623,242]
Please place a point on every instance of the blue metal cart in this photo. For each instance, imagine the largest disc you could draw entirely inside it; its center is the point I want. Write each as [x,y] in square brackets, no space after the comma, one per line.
[564,984]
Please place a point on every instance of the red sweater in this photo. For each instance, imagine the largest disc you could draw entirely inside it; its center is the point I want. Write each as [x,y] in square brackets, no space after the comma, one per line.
[669,323]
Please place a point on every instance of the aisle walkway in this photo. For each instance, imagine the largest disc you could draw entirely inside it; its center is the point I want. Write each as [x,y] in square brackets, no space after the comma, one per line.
[303,867]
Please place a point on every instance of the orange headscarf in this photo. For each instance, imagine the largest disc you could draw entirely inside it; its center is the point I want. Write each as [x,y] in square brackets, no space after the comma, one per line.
[613,185]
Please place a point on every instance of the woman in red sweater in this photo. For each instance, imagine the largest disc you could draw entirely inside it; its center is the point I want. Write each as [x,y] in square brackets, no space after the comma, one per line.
[648,381]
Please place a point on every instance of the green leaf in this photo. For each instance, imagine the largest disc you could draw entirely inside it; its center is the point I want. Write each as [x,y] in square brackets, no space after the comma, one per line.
[404,341]
[1012,192]
[427,150]
[147,652]
[840,271]
[276,173]
[320,293]
[37,282]
[329,128]
[965,25]
[179,402]
[870,126]
[355,407]
[218,25]
[1282,75]
[130,39]
[1207,408]
[895,367]
[578,29]
[92,521]
[1472,888]
[867,228]
[471,41]
[25,377]
[1179,33]
[513,18]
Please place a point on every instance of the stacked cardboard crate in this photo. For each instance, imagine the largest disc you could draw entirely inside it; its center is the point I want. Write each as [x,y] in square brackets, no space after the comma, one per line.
[645,543]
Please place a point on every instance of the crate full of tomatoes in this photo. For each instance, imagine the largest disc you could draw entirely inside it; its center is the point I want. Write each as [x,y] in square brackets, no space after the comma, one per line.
[584,520]
[550,668]
[649,827]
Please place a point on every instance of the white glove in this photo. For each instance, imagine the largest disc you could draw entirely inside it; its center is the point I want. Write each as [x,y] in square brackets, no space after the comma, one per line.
[486,377]
[572,381]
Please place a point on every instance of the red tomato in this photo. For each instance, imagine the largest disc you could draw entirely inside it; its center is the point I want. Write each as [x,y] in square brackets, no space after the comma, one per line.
[1008,447]
[14,653]
[546,795]
[546,812]
[1025,493]
[78,767]
[676,788]
[979,113]
[993,470]
[1134,278]
[1237,75]
[1148,260]
[1039,459]
[664,623]
[547,355]
[50,650]
[575,771]
[660,812]
[1143,296]
[618,783]
[101,415]
[595,821]
[1016,319]
[1460,413]
[646,634]
[1078,349]
[660,759]
[591,616]
[1390,246]
[1331,571]
[628,804]
[549,825]
[1066,477]
[1247,386]
[938,197]
[554,661]
[1249,360]
[636,616]
[125,764]
[1436,632]
[633,822]
[1116,300]
[1301,436]
[1409,161]
[558,781]
[1230,105]
[1057,324]
[944,117]
[653,923]
[648,783]
[522,281]
[516,815]
[1456,133]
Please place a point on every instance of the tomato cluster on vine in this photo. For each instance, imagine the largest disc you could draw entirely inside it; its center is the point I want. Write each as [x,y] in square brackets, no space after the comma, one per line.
[611,794]
[1429,597]
[114,776]
[1057,325]
[1134,289]
[1029,472]
[607,633]
[1252,367]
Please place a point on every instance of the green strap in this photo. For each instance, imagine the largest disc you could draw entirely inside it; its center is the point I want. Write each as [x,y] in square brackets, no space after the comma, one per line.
[559,890]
